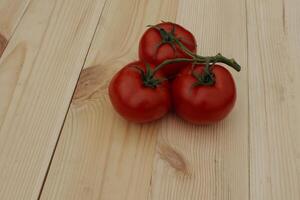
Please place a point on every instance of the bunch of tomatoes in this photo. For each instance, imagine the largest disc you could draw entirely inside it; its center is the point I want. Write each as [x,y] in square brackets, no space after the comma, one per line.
[171,76]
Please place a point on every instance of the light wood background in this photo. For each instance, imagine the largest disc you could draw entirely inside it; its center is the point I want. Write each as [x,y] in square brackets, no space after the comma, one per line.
[60,138]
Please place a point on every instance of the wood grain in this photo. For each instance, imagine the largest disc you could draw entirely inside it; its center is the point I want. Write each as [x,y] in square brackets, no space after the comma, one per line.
[208,162]
[11,12]
[22,52]
[44,67]
[99,154]
[274,138]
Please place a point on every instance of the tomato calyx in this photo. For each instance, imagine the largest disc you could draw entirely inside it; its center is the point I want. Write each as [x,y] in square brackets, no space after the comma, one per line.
[206,78]
[148,76]
[167,37]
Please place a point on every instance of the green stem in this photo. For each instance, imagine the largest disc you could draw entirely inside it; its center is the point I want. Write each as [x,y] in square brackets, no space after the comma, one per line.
[201,60]
[230,62]
[219,58]
[185,49]
[169,37]
[207,77]
[172,61]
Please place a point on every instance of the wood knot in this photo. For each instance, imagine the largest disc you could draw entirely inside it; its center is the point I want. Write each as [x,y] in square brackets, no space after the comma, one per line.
[175,159]
[3,44]
[91,84]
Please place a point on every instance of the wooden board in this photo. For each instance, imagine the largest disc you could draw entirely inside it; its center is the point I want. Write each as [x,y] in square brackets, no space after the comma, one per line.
[292,24]
[21,53]
[11,13]
[274,139]
[44,65]
[104,156]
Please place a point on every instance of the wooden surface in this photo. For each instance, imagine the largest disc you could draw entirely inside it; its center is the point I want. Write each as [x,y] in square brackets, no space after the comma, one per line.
[61,139]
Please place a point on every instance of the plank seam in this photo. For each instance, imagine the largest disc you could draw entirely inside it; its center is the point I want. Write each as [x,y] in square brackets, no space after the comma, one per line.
[248,102]
[16,26]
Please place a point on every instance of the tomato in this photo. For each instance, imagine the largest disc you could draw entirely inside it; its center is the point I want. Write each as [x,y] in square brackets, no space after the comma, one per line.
[203,103]
[156,47]
[139,95]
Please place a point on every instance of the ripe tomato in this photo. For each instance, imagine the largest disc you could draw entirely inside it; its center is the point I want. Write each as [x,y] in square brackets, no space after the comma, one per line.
[138,95]
[203,104]
[156,47]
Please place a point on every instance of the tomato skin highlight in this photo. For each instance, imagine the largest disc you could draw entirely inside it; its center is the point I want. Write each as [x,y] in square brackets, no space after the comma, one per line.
[150,50]
[203,104]
[135,101]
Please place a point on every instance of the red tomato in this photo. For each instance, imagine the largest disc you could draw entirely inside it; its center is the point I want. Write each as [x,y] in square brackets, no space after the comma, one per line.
[136,98]
[203,104]
[155,48]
